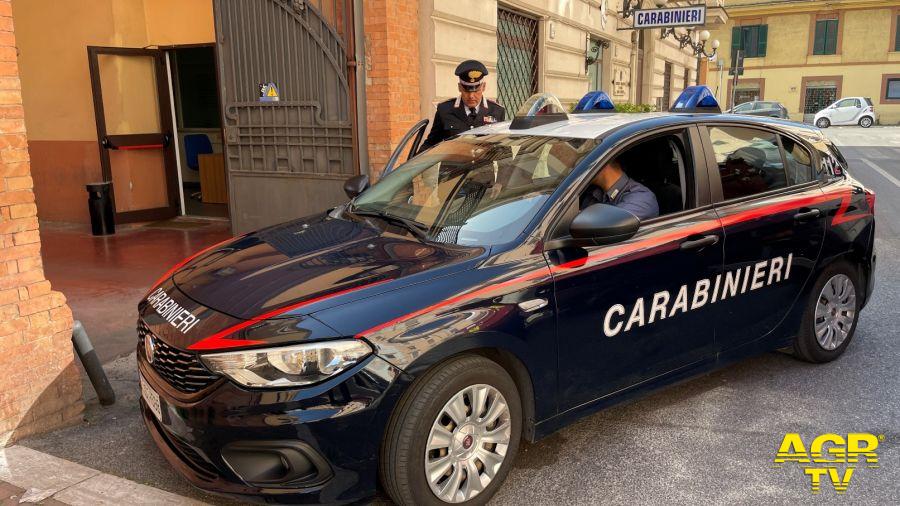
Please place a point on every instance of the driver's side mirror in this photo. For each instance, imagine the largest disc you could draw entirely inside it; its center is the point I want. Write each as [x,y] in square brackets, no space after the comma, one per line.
[604,224]
[597,225]
[356,185]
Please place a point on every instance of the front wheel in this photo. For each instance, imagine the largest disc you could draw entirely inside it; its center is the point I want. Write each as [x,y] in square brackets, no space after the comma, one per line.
[453,436]
[823,123]
[831,315]
[865,122]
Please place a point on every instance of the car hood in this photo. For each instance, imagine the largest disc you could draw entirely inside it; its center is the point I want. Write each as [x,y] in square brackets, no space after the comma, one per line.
[314,259]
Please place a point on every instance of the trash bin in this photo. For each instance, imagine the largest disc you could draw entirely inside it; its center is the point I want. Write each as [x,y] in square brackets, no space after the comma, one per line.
[100,207]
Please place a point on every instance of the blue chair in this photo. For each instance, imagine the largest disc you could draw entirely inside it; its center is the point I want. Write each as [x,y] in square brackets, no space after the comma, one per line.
[196,144]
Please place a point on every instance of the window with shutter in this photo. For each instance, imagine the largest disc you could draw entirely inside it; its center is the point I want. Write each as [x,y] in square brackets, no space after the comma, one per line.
[751,39]
[897,36]
[826,35]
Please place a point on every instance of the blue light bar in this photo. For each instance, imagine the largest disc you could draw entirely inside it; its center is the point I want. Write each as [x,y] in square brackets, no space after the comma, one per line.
[696,99]
[595,101]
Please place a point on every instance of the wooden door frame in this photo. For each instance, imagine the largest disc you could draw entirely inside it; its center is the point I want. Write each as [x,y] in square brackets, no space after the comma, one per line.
[162,140]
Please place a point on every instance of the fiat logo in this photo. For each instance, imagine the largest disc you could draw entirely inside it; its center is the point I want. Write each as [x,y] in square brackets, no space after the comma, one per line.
[150,348]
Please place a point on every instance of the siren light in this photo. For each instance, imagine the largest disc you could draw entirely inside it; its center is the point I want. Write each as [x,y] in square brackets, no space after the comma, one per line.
[595,101]
[696,99]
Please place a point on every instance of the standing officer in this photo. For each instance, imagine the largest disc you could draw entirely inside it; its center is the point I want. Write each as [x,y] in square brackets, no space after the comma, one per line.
[469,110]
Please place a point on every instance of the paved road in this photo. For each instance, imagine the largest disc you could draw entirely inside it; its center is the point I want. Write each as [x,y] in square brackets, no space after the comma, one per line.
[710,440]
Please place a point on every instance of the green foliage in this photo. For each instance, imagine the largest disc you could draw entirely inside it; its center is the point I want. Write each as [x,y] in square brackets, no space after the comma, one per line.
[626,107]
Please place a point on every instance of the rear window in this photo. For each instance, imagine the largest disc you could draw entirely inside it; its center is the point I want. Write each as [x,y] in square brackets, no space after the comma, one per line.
[749,161]
[868,101]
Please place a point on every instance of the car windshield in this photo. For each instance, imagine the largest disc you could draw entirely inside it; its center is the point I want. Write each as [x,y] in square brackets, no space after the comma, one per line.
[475,190]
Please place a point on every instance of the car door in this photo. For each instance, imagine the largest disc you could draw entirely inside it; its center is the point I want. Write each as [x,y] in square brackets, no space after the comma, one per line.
[409,144]
[627,312]
[845,111]
[765,193]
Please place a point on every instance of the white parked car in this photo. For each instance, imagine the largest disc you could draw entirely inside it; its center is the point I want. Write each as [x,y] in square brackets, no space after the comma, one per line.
[848,111]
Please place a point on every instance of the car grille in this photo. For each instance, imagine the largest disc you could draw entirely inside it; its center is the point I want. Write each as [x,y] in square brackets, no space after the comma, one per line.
[180,369]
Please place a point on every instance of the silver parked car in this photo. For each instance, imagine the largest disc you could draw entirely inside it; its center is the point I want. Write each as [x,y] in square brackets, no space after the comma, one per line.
[761,108]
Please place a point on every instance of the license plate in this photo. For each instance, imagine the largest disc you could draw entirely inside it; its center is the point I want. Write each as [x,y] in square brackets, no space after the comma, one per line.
[151,398]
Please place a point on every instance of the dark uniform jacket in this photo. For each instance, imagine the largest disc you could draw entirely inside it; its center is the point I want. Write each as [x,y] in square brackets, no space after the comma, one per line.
[627,194]
[451,119]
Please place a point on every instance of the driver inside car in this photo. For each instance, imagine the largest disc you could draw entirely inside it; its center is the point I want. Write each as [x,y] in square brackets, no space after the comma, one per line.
[612,186]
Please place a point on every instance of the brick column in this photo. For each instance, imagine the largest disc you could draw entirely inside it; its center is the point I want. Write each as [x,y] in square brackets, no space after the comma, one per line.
[40,384]
[392,75]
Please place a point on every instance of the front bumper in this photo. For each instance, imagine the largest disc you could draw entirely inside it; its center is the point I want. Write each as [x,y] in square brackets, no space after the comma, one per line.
[335,428]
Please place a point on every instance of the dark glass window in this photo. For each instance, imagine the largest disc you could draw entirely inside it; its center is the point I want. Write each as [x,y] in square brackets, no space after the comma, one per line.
[799,162]
[893,89]
[197,99]
[826,36]
[749,161]
[752,39]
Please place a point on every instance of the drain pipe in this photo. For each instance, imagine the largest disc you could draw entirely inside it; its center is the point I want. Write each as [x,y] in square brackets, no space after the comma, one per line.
[91,364]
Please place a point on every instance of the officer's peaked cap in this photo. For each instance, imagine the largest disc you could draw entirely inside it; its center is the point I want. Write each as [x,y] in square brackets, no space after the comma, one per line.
[471,72]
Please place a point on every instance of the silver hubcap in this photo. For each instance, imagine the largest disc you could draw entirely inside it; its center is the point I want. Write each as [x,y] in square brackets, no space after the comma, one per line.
[835,312]
[467,443]
[866,122]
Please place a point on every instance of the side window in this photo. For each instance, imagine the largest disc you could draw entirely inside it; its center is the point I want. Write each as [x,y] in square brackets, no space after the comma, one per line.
[659,171]
[749,161]
[847,102]
[799,162]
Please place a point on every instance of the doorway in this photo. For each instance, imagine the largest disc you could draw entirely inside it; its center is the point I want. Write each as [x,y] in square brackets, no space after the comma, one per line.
[133,116]
[198,130]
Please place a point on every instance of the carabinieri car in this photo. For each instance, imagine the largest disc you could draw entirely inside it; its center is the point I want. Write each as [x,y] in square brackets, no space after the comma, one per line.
[408,339]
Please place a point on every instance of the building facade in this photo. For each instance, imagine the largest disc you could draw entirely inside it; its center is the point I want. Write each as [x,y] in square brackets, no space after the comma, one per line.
[806,54]
[169,99]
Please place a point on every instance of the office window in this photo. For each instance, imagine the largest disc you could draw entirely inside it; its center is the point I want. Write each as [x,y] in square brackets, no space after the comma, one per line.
[687,77]
[825,41]
[751,39]
[892,90]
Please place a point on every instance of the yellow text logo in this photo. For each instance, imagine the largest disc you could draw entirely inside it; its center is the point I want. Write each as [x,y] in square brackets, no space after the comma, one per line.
[830,457]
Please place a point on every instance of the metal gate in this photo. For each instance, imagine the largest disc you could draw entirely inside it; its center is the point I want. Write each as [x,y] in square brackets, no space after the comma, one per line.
[818,96]
[517,59]
[288,99]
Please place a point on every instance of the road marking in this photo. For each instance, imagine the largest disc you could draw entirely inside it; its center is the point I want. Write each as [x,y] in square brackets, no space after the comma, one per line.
[881,171]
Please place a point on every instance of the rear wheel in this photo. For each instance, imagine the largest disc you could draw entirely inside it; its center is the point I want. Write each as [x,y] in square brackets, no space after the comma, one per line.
[865,122]
[831,315]
[454,435]
[823,123]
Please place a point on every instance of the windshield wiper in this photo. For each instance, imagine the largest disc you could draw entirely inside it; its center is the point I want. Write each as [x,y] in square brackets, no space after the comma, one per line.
[419,230]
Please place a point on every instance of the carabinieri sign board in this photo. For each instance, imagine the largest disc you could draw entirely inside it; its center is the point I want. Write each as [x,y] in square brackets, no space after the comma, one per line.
[692,15]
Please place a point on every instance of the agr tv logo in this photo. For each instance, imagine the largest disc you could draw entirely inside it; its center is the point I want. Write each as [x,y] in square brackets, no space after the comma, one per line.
[830,457]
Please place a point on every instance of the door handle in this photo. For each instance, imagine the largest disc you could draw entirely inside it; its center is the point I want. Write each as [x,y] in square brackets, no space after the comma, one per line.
[702,242]
[807,214]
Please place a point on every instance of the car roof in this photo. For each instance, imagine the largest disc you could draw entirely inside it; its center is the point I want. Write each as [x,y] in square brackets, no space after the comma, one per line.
[596,125]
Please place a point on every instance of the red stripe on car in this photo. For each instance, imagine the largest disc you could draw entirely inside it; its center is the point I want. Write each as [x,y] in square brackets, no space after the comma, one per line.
[643,247]
[219,340]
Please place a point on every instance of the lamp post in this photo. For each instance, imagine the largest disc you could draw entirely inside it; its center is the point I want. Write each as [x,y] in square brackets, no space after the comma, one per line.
[696,40]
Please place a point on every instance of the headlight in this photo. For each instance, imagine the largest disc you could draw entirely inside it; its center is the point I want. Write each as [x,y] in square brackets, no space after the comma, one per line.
[297,365]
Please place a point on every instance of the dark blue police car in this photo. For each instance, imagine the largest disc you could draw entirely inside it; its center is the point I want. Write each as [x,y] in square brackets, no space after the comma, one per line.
[410,338]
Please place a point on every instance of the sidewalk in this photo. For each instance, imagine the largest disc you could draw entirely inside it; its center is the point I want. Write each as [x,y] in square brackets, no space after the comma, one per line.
[30,476]
[111,447]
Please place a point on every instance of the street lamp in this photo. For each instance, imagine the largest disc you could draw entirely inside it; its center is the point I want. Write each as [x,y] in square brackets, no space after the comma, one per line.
[697,41]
